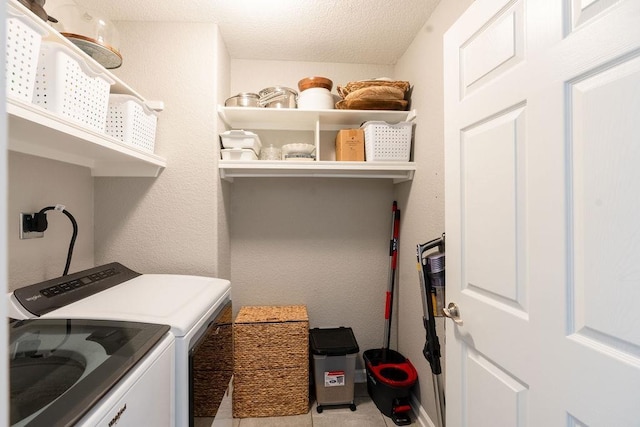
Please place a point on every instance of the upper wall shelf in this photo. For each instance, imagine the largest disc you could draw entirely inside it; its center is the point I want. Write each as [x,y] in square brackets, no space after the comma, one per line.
[39,132]
[36,131]
[316,121]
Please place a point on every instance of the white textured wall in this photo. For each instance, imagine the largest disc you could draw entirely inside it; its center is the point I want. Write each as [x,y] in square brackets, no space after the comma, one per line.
[254,75]
[169,224]
[223,80]
[319,242]
[423,198]
[35,183]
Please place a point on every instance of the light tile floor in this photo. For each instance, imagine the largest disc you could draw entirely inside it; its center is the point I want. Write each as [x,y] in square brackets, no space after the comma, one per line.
[366,415]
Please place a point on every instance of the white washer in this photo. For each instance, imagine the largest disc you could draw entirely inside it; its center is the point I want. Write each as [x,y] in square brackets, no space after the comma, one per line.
[91,373]
[188,304]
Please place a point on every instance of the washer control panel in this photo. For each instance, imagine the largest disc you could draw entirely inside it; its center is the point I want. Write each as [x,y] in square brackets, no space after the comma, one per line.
[54,290]
[43,297]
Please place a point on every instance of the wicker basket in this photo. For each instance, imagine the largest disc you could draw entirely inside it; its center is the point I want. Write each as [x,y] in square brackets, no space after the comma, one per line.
[212,373]
[271,392]
[271,361]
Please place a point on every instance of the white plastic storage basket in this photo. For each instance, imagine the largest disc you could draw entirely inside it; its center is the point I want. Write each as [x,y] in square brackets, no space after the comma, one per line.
[23,39]
[67,86]
[132,122]
[384,142]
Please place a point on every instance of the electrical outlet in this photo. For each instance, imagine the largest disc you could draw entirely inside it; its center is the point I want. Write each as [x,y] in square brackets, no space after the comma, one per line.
[24,217]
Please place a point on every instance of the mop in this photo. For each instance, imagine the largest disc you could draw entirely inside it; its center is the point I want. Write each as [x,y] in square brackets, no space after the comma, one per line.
[432,290]
[390,376]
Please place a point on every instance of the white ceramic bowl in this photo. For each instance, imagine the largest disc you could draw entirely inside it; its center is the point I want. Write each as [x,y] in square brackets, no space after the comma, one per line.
[315,98]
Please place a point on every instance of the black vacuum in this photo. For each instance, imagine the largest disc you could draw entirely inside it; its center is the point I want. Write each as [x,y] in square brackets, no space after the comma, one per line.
[432,286]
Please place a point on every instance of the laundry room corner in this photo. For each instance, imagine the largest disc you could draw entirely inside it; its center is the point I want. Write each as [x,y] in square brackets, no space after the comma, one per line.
[177,222]
[31,188]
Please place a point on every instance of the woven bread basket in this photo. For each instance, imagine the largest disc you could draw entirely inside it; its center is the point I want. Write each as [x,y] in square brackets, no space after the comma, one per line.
[345,90]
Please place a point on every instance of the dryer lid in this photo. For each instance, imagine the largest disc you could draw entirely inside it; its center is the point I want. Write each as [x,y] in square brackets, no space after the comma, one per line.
[179,301]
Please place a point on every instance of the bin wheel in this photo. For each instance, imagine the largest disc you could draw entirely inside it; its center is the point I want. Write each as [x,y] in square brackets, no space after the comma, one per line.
[352,407]
[319,409]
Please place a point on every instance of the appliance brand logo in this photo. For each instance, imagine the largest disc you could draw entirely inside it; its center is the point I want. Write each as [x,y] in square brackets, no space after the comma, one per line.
[34,297]
[115,419]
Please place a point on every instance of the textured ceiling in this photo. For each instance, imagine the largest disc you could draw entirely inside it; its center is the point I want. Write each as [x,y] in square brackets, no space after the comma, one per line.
[352,31]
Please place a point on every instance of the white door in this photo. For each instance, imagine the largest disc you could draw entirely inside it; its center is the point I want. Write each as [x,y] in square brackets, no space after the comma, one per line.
[542,158]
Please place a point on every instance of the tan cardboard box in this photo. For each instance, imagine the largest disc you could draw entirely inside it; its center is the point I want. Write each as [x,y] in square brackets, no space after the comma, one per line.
[350,145]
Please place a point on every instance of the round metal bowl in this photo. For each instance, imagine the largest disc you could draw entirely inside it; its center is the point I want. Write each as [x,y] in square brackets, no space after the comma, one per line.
[278,97]
[243,99]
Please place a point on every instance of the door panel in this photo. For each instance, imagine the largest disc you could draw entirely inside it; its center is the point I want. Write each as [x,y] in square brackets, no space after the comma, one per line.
[495,397]
[491,166]
[542,117]
[494,49]
[606,201]
[581,11]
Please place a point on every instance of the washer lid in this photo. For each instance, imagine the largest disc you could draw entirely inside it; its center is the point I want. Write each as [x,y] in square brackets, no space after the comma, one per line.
[175,300]
[61,368]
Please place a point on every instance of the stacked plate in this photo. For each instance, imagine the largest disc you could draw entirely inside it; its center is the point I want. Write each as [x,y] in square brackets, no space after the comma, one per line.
[299,152]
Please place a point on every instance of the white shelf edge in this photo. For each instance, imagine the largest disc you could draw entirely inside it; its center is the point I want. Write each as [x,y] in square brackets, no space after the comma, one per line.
[296,119]
[36,131]
[397,171]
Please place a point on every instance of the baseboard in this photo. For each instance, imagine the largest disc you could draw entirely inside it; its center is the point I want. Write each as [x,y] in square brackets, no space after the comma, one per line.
[360,376]
[421,416]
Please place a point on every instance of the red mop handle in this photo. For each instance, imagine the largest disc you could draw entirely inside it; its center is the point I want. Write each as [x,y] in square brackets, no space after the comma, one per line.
[387,306]
[393,253]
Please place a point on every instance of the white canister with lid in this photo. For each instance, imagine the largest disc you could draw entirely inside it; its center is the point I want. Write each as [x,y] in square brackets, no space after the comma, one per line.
[315,98]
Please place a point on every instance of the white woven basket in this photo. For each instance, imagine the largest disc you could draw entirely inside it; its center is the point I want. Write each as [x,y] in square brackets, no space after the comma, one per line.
[67,86]
[130,121]
[23,39]
[386,142]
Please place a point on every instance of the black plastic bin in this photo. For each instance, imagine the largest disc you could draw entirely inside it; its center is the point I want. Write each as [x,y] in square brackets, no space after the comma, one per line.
[334,353]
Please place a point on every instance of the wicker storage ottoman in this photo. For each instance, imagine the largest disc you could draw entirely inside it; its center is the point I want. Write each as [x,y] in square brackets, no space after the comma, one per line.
[271,361]
[211,371]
